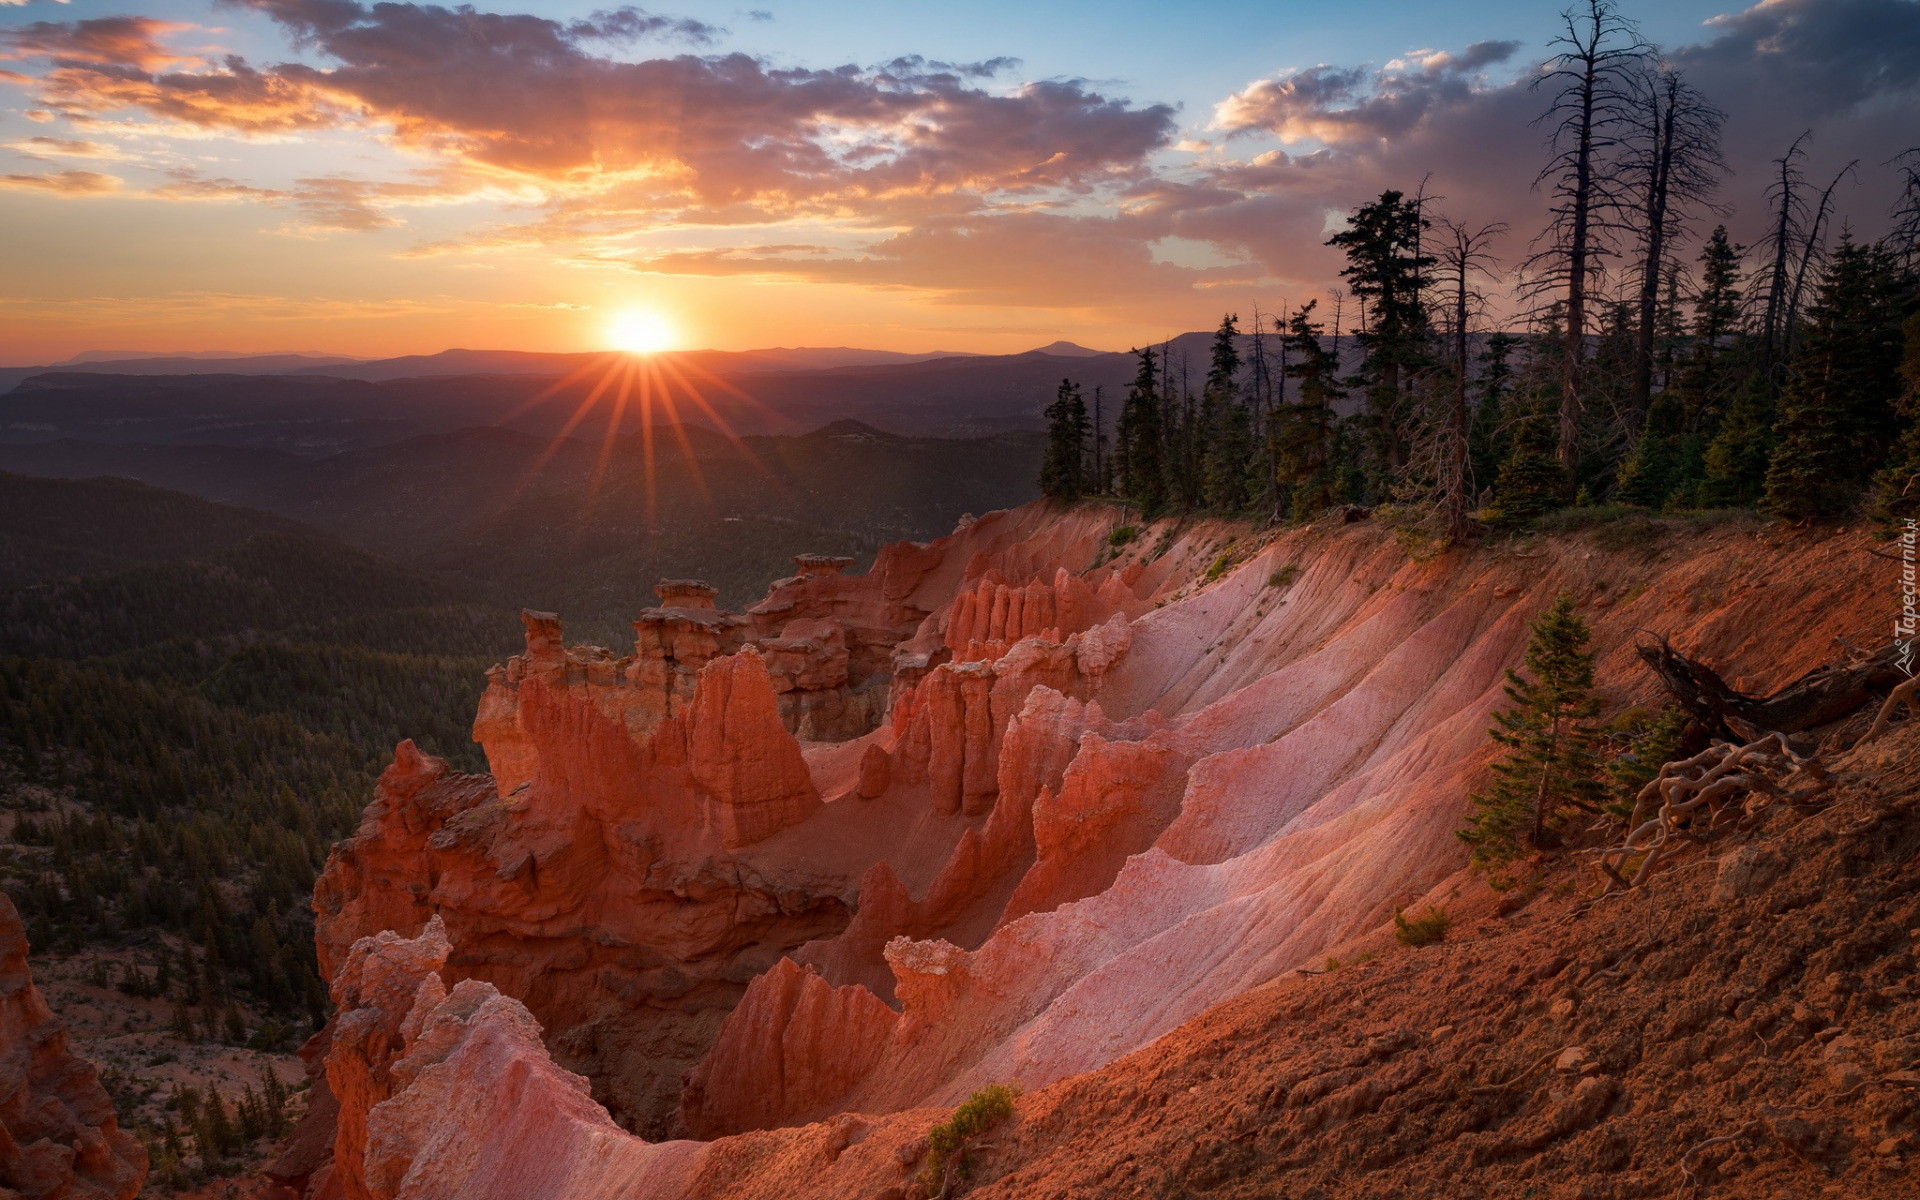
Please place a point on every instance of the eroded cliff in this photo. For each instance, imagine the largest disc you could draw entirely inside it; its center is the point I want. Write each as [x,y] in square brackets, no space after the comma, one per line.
[59,1137]
[1105,792]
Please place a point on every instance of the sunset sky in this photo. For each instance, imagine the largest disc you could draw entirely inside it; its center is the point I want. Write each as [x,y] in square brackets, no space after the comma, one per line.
[401,178]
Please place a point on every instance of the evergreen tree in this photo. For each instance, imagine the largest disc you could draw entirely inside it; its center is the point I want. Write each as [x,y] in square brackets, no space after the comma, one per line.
[1836,414]
[1488,439]
[1226,429]
[1897,488]
[1532,480]
[1303,430]
[1388,270]
[1549,764]
[1139,441]
[1737,458]
[1063,469]
[1716,321]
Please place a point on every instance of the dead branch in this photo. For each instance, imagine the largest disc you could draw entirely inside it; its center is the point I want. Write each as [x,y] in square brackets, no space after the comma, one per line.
[1902,694]
[1501,1087]
[1686,1171]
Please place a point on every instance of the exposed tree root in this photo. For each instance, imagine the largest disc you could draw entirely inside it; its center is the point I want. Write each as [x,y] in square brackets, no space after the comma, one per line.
[1904,694]
[1696,799]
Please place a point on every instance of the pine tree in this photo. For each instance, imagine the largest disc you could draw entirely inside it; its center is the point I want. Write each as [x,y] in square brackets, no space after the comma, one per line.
[1063,470]
[1549,765]
[1531,481]
[1303,430]
[1387,268]
[1139,441]
[1897,487]
[1488,439]
[1737,458]
[1836,414]
[1226,428]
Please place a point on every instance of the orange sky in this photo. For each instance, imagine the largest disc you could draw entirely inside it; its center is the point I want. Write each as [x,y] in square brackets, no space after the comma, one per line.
[264,175]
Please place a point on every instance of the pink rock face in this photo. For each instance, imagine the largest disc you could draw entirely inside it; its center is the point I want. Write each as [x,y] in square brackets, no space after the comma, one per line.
[1099,803]
[59,1139]
[794,1046]
[752,783]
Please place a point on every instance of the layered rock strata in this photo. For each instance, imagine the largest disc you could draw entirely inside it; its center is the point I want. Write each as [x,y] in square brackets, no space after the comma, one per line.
[1107,793]
[59,1138]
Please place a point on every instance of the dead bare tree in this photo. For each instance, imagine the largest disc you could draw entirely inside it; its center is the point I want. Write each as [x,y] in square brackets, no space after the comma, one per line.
[1905,234]
[1675,166]
[1463,252]
[1788,229]
[1591,79]
[1812,250]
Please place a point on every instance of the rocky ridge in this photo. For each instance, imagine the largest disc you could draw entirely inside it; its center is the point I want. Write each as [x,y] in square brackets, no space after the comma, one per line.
[1103,800]
[59,1137]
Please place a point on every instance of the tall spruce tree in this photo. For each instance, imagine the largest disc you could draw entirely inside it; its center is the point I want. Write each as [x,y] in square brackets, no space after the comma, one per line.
[1226,427]
[1387,269]
[1549,765]
[1140,440]
[1303,431]
[1488,439]
[1897,488]
[1532,481]
[1063,470]
[1836,414]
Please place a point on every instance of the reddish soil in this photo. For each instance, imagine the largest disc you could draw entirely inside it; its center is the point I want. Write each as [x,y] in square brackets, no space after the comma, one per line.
[1566,1048]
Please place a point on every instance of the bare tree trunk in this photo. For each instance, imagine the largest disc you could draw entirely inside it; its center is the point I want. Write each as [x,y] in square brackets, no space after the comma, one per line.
[1659,177]
[1785,223]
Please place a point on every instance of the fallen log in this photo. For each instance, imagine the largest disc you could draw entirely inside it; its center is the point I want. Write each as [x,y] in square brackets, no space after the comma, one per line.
[1820,697]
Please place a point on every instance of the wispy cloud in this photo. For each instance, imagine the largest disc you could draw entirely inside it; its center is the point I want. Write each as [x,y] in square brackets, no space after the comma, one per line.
[65,183]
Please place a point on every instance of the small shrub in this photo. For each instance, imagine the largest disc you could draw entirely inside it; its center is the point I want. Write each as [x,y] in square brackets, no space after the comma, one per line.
[947,1142]
[1284,576]
[1221,565]
[1423,930]
[1122,535]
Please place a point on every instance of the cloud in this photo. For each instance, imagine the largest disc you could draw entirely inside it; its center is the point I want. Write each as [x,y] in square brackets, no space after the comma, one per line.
[516,94]
[325,203]
[65,148]
[1014,260]
[957,178]
[64,183]
[1344,104]
[1849,69]
[100,42]
[628,24]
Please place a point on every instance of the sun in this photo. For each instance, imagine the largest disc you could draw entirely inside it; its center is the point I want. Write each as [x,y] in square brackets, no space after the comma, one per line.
[640,331]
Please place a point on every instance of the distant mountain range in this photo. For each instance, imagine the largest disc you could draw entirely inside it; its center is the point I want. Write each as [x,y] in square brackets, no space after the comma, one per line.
[582,527]
[311,409]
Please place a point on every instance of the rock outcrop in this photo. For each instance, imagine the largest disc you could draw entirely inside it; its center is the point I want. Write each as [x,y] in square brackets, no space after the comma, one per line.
[59,1138]
[1106,793]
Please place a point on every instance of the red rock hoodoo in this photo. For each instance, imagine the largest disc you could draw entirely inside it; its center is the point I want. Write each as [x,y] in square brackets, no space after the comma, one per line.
[1007,807]
[59,1138]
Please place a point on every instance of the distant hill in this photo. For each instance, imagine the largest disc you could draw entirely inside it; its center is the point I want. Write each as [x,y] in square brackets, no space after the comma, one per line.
[520,362]
[1065,349]
[55,528]
[320,414]
[107,362]
[519,519]
[307,357]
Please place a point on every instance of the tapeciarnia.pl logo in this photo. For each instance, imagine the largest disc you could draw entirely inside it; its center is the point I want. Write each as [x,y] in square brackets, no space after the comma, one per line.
[1908,623]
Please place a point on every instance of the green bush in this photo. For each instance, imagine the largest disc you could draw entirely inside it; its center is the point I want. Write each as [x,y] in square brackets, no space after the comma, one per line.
[1284,576]
[947,1142]
[1423,930]
[1122,535]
